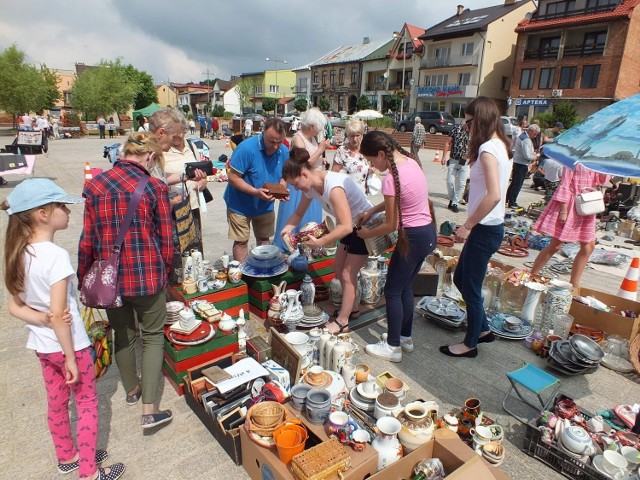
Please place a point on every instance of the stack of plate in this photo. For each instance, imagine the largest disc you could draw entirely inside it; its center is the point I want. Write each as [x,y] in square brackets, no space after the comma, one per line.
[313,317]
[363,399]
[202,334]
[578,355]
[508,326]
[264,261]
[443,310]
[173,311]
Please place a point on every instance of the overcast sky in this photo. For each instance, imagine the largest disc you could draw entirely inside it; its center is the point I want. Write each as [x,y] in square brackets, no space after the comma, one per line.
[180,40]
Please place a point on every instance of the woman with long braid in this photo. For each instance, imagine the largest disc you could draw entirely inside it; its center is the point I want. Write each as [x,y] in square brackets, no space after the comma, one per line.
[341,197]
[407,209]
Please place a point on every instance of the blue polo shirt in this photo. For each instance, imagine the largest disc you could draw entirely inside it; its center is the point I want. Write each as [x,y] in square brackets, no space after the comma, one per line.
[251,161]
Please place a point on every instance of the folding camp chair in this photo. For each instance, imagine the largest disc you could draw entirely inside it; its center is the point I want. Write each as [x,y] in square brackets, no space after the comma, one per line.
[536,381]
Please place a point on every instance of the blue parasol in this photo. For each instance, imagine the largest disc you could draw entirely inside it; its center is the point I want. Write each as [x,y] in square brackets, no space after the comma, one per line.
[607,141]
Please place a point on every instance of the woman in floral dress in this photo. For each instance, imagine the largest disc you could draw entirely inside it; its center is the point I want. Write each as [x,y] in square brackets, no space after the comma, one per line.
[561,221]
[348,158]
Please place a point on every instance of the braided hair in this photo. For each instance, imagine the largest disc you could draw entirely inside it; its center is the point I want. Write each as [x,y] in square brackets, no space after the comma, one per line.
[372,143]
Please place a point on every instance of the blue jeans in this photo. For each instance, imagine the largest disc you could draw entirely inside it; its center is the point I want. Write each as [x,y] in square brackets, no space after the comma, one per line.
[456,180]
[518,174]
[398,289]
[483,242]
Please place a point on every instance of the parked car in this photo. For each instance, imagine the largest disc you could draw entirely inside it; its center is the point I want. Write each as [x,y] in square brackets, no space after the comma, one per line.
[433,122]
[288,118]
[511,125]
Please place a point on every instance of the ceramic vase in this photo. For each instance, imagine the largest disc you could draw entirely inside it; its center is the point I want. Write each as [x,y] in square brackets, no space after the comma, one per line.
[234,273]
[384,269]
[308,290]
[324,337]
[328,348]
[314,345]
[338,356]
[369,282]
[277,303]
[534,290]
[417,426]
[293,313]
[300,262]
[387,444]
[336,292]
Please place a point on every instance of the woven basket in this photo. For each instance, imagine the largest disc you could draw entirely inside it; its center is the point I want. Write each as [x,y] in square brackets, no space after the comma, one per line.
[326,460]
[634,353]
[263,418]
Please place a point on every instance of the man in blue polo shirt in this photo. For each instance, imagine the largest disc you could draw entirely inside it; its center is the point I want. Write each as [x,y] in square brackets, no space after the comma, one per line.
[256,161]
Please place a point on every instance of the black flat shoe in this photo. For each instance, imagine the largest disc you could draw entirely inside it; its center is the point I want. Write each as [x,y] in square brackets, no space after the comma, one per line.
[470,354]
[487,338]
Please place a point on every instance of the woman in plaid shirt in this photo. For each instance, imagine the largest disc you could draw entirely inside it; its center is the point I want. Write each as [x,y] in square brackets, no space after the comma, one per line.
[145,261]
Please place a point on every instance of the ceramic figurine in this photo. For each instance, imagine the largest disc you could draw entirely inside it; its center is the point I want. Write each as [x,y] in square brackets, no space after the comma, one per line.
[242,334]
[308,290]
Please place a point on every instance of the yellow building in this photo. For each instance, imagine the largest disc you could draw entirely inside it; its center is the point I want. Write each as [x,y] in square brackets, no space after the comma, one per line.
[167,96]
[66,80]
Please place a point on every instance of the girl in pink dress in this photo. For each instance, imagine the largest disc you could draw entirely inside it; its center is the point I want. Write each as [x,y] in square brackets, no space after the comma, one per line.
[561,221]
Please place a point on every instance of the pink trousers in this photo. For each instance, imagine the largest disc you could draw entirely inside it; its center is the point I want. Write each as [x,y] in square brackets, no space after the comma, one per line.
[86,401]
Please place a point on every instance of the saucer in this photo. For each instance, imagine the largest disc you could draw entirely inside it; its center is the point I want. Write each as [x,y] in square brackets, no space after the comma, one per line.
[368,396]
[597,464]
[324,380]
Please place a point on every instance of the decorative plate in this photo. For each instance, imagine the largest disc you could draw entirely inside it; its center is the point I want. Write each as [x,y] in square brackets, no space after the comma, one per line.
[444,307]
[496,325]
[251,271]
[198,342]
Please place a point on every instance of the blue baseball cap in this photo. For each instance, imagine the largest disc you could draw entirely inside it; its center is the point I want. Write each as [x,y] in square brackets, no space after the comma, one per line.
[559,124]
[36,192]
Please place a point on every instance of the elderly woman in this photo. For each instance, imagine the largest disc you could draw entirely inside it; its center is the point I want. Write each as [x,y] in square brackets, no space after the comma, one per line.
[348,158]
[145,261]
[312,124]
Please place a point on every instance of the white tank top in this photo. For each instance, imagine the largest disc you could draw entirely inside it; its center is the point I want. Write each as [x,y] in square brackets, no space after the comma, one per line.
[358,202]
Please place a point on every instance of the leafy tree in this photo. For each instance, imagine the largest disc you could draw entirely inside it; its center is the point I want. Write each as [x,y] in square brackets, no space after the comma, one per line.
[186,108]
[565,112]
[269,104]
[363,103]
[395,101]
[323,104]
[301,105]
[245,90]
[104,90]
[146,92]
[23,87]
[218,111]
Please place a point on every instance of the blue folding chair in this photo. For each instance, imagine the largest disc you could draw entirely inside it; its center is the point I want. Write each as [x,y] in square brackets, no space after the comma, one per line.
[534,380]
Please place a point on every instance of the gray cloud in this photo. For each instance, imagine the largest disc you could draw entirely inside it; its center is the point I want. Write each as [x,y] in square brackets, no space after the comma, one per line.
[178,41]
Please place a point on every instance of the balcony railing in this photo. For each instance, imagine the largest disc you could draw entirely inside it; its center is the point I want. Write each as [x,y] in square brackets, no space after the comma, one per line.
[542,53]
[370,86]
[301,89]
[583,50]
[450,61]
[575,13]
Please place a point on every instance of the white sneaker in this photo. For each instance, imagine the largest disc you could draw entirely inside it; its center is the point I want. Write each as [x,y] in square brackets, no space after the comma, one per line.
[406,343]
[385,351]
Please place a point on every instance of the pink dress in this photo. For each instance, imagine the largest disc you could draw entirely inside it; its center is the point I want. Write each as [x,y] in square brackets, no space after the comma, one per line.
[577,228]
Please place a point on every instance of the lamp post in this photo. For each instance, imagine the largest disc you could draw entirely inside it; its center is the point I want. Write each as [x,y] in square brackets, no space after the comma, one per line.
[208,86]
[404,65]
[277,61]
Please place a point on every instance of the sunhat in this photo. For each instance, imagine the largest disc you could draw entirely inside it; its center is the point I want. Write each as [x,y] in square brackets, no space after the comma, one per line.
[36,192]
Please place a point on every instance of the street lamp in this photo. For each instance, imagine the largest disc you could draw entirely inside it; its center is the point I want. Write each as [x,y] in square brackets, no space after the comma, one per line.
[277,61]
[208,86]
[404,65]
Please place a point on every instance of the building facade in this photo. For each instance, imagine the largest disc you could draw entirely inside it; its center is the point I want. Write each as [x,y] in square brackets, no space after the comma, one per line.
[167,95]
[583,51]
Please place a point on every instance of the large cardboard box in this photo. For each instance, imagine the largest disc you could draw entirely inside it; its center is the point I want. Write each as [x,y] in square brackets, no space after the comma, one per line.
[264,464]
[611,322]
[459,461]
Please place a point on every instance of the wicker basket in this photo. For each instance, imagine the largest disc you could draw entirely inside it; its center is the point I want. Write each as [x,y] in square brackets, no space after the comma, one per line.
[324,461]
[634,353]
[263,418]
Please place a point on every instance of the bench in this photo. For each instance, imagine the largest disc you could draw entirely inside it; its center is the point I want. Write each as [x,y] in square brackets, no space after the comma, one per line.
[433,142]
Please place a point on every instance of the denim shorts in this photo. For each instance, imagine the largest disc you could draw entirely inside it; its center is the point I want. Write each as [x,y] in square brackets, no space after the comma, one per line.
[354,244]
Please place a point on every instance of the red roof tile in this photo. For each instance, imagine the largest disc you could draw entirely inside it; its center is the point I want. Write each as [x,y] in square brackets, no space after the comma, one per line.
[623,10]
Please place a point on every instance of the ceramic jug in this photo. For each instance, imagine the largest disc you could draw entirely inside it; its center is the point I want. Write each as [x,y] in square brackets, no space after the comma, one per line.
[338,356]
[308,290]
[417,425]
[293,314]
[387,444]
[314,345]
[369,282]
[328,348]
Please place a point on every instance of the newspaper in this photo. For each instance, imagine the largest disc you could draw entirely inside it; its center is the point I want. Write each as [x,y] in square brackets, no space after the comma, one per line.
[378,245]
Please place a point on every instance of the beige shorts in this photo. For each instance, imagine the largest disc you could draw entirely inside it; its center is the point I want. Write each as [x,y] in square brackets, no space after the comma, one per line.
[264,226]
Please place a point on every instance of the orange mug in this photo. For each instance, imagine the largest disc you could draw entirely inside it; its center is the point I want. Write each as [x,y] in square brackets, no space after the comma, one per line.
[290,440]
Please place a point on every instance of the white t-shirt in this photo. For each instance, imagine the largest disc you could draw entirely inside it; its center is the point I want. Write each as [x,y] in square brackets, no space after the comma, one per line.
[48,265]
[478,188]
[552,170]
[357,199]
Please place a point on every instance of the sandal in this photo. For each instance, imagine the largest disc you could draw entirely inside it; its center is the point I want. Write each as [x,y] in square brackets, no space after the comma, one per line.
[64,468]
[341,328]
[352,316]
[115,471]
[133,399]
[155,419]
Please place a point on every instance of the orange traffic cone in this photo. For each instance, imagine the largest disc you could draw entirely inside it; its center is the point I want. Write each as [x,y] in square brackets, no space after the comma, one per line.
[437,157]
[87,172]
[227,144]
[629,287]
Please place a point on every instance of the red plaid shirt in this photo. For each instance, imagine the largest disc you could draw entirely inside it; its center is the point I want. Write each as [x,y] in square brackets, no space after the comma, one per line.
[145,258]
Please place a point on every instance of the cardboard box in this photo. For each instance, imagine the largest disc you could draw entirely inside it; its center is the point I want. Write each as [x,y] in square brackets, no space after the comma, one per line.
[610,322]
[460,462]
[229,439]
[262,463]
[426,282]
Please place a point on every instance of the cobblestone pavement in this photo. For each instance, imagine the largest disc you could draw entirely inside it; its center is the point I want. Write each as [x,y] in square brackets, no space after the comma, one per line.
[185,449]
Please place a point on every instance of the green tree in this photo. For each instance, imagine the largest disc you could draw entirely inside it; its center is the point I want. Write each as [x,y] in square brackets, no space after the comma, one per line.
[323,104]
[23,87]
[218,111]
[269,104]
[245,91]
[395,101]
[186,108]
[565,112]
[363,103]
[146,92]
[104,90]
[301,105]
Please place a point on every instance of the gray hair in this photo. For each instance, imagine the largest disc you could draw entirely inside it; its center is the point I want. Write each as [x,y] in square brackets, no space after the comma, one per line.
[171,119]
[354,126]
[314,117]
[533,128]
[418,120]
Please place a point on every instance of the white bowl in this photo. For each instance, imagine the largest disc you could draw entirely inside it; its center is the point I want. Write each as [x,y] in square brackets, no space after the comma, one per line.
[265,252]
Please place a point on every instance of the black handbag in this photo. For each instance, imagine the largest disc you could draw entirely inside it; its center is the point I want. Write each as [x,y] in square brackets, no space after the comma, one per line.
[190,168]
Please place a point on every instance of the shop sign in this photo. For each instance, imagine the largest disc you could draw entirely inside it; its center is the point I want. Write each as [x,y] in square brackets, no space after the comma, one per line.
[444,91]
[535,102]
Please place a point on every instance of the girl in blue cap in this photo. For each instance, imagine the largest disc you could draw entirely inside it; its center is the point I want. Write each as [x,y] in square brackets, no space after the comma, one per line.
[38,276]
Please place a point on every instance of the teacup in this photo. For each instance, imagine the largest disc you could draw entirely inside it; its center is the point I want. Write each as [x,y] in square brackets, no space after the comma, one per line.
[481,434]
[315,373]
[339,420]
[613,462]
[298,340]
[394,386]
[596,424]
[361,436]
[362,372]
[632,456]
